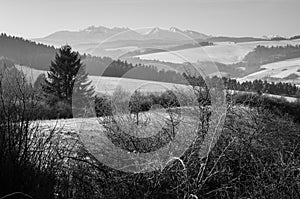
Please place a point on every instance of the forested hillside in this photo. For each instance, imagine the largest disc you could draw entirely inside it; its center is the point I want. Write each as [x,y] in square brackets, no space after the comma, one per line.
[265,54]
[39,56]
[26,52]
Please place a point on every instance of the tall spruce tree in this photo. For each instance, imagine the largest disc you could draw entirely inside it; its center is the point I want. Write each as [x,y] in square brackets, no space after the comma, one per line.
[67,76]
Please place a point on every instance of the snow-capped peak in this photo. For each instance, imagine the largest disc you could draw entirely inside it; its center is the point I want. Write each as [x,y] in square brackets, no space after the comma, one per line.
[155,30]
[174,29]
[91,29]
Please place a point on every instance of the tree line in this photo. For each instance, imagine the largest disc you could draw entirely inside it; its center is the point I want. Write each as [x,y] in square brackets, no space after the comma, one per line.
[263,86]
[256,86]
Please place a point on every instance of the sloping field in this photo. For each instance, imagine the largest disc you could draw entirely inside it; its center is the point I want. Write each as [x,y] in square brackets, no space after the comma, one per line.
[280,70]
[223,52]
[109,84]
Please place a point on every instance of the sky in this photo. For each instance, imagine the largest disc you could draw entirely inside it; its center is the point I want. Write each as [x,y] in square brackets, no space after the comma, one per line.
[39,18]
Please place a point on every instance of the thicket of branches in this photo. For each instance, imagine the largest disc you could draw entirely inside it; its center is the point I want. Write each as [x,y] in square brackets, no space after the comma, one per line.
[37,160]
[256,156]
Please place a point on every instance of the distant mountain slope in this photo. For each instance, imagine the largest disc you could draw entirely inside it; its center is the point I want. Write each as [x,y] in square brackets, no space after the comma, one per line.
[90,34]
[98,34]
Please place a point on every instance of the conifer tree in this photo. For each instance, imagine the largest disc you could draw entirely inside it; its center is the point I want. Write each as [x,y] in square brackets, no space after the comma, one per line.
[67,76]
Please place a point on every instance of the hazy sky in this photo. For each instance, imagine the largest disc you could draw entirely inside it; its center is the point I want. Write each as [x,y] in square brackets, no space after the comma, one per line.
[38,18]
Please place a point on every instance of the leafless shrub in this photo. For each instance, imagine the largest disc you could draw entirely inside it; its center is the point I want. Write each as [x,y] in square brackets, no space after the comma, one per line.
[31,157]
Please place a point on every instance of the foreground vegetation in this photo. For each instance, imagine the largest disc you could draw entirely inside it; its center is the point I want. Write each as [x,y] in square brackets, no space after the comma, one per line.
[256,156]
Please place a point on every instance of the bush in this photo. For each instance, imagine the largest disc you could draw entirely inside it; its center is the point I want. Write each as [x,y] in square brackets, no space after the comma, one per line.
[28,162]
[139,102]
[63,110]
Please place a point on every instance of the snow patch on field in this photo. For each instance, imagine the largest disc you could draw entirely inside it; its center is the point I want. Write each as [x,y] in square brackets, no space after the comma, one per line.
[279,70]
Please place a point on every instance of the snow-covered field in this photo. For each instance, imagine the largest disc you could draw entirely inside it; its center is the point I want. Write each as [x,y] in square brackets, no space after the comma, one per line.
[223,52]
[110,84]
[279,70]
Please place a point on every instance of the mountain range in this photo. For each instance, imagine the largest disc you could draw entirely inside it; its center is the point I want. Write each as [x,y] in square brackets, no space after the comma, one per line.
[113,42]
[98,34]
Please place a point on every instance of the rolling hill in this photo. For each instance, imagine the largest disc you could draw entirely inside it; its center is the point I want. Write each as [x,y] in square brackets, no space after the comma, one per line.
[278,71]
[223,52]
